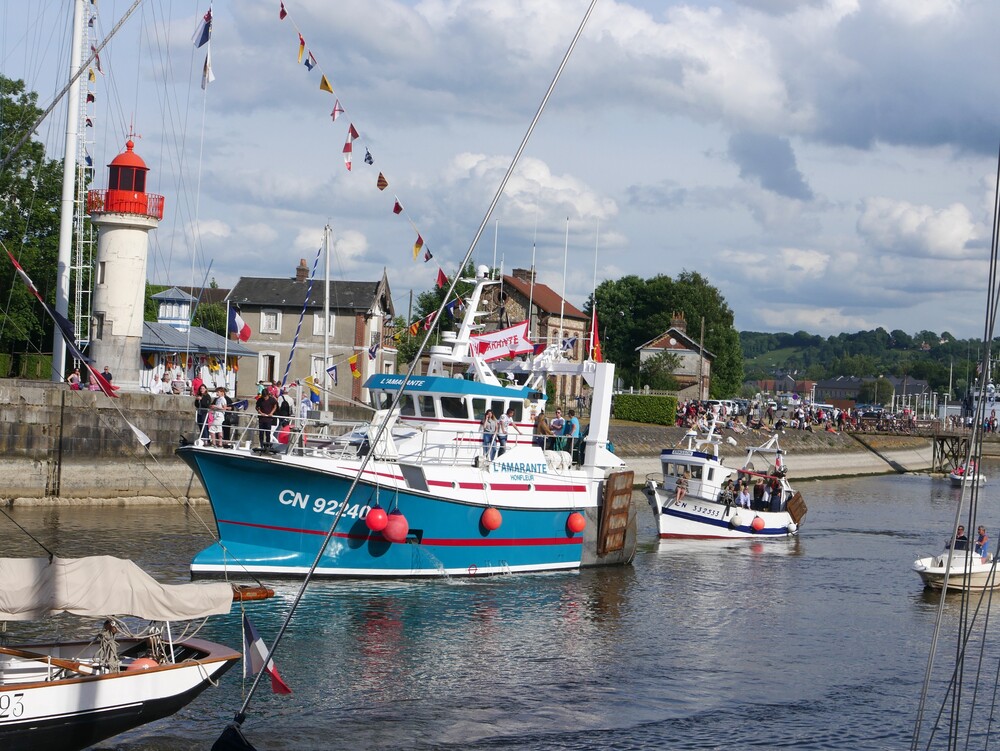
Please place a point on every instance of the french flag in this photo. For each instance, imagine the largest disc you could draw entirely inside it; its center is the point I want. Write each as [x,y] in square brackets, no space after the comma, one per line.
[254,654]
[237,326]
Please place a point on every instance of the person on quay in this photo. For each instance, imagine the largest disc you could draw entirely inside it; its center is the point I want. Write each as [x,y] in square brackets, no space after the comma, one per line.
[490,426]
[74,379]
[106,375]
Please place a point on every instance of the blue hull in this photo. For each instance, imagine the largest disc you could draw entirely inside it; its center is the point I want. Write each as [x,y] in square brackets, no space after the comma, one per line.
[273,515]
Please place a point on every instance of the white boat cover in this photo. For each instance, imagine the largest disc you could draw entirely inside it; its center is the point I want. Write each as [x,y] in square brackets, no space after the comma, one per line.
[101,586]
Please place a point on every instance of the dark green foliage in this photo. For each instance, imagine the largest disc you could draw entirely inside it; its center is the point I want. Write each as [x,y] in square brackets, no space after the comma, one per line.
[655,410]
[6,362]
[35,367]
[211,316]
[30,189]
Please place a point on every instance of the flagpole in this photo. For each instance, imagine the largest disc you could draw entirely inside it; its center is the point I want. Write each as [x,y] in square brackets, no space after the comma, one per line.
[531,282]
[496,239]
[326,321]
[225,353]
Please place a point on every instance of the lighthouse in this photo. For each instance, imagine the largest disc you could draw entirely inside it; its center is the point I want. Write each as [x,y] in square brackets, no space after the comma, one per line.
[124,214]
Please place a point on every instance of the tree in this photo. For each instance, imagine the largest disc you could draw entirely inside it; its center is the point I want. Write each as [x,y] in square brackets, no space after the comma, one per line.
[657,372]
[30,189]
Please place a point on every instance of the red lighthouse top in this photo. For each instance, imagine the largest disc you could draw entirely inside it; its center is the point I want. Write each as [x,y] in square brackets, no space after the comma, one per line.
[126,193]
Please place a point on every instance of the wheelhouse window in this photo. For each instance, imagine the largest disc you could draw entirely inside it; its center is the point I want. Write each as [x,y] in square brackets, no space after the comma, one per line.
[454,407]
[427,406]
[406,405]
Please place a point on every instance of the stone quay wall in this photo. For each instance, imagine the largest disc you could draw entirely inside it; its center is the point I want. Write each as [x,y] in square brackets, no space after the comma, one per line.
[63,446]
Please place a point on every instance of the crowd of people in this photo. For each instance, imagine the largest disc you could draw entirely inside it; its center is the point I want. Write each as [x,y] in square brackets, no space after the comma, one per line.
[698,415]
[558,434]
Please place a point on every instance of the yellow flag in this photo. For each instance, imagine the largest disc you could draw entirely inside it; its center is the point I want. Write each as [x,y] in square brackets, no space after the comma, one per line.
[91,76]
[417,246]
[324,85]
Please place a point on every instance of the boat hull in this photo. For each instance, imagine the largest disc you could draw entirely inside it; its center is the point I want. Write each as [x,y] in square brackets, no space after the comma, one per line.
[69,714]
[958,481]
[695,518]
[273,514]
[963,576]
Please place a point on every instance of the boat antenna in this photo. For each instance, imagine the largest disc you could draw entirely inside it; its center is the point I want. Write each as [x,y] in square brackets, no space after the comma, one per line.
[531,279]
[233,729]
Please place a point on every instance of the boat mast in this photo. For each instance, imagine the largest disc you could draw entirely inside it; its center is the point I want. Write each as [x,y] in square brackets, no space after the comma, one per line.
[68,194]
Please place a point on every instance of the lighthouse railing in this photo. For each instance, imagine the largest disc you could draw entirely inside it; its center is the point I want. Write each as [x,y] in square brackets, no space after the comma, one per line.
[125,202]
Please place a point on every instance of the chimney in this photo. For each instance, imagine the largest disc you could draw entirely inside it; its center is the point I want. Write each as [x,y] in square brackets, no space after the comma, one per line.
[526,275]
[677,321]
[301,271]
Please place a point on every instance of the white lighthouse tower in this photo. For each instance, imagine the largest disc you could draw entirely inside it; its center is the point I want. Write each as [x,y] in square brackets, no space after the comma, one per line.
[124,214]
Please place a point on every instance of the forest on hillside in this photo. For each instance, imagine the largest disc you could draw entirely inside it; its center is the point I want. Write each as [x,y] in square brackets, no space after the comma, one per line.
[939,359]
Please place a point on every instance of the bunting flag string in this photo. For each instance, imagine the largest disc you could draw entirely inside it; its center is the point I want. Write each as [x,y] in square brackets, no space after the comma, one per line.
[308,58]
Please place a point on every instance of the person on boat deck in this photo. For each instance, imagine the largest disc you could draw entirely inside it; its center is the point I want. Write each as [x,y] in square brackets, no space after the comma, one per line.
[775,493]
[543,433]
[571,429]
[726,495]
[961,539]
[758,494]
[217,416]
[505,426]
[267,405]
[982,547]
[202,403]
[489,426]
[743,497]
[557,423]
[681,488]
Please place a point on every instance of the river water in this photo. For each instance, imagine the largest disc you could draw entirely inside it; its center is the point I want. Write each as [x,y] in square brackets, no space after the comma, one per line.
[819,642]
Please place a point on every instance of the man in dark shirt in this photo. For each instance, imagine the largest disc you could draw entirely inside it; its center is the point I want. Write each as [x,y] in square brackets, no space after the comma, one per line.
[961,540]
[267,405]
[106,375]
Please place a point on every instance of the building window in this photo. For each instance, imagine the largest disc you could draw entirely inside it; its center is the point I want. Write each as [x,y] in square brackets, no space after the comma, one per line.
[318,324]
[270,322]
[268,367]
[101,272]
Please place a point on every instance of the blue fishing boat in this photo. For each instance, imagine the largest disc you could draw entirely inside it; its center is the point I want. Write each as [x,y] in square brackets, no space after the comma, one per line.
[429,496]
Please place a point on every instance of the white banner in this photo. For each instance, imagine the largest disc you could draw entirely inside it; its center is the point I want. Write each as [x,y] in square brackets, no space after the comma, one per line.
[503,343]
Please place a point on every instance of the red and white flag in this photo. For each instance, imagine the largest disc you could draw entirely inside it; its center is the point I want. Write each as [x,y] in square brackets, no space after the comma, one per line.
[349,146]
[337,111]
[254,656]
[503,343]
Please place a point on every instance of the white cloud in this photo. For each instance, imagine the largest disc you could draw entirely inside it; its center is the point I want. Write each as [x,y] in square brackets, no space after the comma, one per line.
[900,227]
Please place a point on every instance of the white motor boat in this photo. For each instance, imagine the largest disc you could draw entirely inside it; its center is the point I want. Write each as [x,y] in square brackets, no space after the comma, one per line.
[966,571]
[70,695]
[708,509]
[961,476]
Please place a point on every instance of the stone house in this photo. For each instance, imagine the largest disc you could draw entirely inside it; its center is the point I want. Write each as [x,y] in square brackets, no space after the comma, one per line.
[694,369]
[360,326]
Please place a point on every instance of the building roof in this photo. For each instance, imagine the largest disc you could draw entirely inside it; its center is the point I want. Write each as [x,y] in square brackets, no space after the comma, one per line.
[662,342]
[159,337]
[174,293]
[544,298]
[286,292]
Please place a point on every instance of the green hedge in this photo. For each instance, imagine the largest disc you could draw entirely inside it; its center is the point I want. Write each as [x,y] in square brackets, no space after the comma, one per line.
[657,410]
[6,359]
[36,367]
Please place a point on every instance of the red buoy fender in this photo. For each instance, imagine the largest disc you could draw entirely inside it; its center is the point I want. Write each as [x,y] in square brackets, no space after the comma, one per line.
[757,524]
[376,519]
[396,527]
[491,518]
[576,523]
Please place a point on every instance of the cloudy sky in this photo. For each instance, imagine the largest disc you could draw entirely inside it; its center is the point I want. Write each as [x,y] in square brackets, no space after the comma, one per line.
[829,165]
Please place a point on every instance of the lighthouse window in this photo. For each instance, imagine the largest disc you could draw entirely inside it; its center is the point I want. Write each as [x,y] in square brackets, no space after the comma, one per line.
[122,178]
[140,180]
[101,269]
